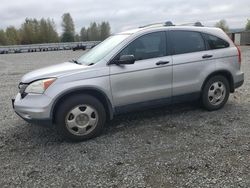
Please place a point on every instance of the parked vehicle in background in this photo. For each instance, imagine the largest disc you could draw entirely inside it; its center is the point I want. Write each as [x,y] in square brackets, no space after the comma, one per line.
[79,47]
[47,47]
[135,69]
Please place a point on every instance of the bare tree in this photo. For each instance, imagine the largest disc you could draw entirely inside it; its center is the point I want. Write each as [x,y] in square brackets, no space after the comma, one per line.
[248,25]
[223,25]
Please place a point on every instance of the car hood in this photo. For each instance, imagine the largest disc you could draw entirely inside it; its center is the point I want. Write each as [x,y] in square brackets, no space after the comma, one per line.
[52,71]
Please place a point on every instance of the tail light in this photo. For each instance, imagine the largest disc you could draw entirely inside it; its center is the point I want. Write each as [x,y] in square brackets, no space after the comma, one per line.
[238,49]
[239,55]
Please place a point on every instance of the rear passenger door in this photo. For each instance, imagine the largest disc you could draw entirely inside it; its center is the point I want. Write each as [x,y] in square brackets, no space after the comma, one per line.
[225,55]
[190,58]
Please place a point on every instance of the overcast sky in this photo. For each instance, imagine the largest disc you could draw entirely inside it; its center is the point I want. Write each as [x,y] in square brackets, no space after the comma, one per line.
[126,14]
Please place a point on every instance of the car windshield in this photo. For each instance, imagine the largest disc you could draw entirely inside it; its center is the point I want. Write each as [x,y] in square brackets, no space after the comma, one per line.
[101,50]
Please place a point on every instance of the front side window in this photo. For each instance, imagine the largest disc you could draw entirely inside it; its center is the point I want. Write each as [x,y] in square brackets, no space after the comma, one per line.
[215,42]
[187,42]
[148,46]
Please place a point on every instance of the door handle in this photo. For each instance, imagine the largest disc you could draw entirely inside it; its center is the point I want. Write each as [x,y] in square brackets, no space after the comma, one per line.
[207,56]
[162,62]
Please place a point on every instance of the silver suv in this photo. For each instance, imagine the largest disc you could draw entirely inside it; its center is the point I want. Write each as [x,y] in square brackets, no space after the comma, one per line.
[135,69]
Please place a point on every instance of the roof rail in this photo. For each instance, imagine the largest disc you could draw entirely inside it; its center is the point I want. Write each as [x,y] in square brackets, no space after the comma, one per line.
[197,24]
[152,25]
[169,23]
[159,24]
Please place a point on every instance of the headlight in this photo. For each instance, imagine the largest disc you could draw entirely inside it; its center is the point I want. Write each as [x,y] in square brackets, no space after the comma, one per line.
[39,86]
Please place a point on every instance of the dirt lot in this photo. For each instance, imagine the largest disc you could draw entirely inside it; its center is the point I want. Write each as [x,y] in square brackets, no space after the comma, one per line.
[174,146]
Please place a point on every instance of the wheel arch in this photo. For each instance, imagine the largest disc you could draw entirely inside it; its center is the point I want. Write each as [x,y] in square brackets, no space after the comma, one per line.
[97,93]
[224,73]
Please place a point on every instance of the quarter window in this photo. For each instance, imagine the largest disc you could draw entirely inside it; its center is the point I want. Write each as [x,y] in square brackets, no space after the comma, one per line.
[187,42]
[215,42]
[151,45]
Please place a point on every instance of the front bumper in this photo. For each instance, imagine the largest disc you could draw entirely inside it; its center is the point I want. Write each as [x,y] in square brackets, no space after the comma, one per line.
[33,108]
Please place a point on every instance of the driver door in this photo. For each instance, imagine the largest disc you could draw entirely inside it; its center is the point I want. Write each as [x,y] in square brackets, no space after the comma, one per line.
[149,78]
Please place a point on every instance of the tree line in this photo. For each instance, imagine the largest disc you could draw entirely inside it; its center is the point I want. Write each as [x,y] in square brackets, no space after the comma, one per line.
[224,26]
[33,31]
[95,31]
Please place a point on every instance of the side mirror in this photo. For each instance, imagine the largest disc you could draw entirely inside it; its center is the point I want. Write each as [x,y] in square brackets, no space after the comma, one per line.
[126,60]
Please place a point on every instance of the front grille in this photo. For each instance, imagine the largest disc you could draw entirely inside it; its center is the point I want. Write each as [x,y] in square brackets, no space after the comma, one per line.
[22,88]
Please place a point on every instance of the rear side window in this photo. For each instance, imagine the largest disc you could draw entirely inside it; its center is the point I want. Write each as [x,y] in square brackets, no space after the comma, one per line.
[187,42]
[148,46]
[215,42]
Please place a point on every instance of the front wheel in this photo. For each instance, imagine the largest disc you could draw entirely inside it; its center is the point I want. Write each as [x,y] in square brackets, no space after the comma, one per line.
[215,93]
[80,117]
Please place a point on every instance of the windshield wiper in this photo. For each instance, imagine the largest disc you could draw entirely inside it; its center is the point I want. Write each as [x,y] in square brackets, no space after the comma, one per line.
[75,61]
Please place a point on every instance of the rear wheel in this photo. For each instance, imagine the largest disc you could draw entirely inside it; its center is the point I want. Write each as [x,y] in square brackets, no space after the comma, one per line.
[215,93]
[80,117]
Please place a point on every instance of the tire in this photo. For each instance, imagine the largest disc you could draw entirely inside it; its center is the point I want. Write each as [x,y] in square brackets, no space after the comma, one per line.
[215,93]
[80,117]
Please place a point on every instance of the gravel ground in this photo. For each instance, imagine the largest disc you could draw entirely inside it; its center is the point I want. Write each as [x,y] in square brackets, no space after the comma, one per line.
[174,146]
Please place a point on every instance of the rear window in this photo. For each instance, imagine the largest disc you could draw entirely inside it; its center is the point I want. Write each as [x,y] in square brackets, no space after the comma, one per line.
[187,42]
[215,42]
